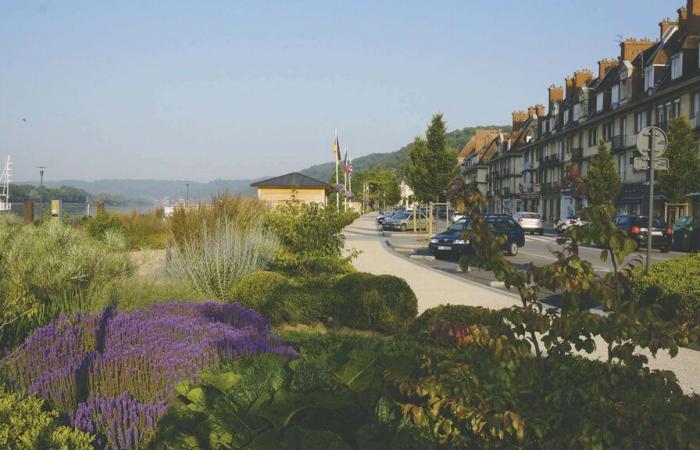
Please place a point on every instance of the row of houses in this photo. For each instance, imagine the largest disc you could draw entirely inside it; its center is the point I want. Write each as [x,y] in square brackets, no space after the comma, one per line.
[651,82]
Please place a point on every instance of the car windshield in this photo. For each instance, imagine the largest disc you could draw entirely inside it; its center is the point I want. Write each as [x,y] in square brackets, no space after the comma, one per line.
[685,220]
[459,225]
[643,222]
[530,215]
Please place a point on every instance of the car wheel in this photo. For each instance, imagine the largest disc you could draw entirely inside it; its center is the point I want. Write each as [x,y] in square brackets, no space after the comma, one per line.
[540,232]
[512,248]
[665,249]
[403,227]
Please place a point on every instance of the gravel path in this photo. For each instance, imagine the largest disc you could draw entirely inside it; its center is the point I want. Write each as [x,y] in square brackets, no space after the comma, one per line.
[434,287]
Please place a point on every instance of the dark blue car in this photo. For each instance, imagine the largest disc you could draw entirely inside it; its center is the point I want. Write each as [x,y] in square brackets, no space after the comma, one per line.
[452,242]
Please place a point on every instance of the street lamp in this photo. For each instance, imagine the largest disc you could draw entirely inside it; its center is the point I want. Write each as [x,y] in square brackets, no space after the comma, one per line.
[41,190]
[187,194]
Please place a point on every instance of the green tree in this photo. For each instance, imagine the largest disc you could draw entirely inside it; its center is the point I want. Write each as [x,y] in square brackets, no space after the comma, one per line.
[602,181]
[431,163]
[683,175]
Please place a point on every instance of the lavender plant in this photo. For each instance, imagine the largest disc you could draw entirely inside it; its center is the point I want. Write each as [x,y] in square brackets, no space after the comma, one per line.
[114,373]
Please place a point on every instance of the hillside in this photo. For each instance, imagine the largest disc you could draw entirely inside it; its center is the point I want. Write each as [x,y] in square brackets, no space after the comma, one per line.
[394,160]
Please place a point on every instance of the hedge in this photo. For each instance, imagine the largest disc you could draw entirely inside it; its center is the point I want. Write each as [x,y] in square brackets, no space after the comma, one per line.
[447,315]
[375,302]
[672,284]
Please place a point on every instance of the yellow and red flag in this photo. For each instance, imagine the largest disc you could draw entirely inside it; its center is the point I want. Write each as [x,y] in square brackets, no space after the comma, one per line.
[336,149]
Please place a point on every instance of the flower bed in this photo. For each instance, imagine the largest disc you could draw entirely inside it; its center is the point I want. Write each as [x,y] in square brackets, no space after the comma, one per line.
[114,373]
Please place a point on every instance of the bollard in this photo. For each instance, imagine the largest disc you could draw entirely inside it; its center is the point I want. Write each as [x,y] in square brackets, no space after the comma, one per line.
[28,212]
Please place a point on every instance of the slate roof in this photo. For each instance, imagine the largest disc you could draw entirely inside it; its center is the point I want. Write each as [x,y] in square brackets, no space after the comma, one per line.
[292,180]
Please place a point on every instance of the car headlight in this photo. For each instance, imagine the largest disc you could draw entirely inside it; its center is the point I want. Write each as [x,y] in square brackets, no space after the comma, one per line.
[433,241]
[462,241]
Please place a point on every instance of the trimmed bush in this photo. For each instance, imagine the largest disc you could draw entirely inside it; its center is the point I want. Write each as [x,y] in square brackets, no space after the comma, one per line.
[26,424]
[459,315]
[382,303]
[283,300]
[674,285]
[259,290]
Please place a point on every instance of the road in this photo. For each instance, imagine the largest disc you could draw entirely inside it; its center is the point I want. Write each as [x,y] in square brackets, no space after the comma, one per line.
[434,286]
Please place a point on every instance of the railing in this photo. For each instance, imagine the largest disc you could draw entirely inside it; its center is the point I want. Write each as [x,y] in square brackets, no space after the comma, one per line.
[549,187]
[506,191]
[527,187]
[577,153]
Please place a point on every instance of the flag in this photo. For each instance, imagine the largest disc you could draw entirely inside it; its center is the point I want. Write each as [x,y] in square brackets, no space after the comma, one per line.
[346,164]
[336,149]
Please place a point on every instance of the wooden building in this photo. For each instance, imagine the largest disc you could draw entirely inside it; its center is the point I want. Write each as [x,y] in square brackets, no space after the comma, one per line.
[292,187]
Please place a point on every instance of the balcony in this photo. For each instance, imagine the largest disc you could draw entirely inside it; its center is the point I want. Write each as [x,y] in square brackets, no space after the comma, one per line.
[506,191]
[577,154]
[620,143]
[549,187]
[551,160]
[527,188]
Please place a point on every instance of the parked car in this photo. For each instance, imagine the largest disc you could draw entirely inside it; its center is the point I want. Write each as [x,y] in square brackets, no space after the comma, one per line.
[383,215]
[530,222]
[636,228]
[452,243]
[564,224]
[683,234]
[404,221]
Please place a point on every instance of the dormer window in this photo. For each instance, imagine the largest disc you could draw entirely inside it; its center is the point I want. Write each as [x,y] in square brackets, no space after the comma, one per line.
[577,112]
[599,102]
[615,95]
[676,66]
[648,78]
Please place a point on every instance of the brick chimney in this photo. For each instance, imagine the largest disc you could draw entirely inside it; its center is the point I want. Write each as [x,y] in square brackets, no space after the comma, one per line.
[556,94]
[604,65]
[683,14]
[692,12]
[519,118]
[630,48]
[577,81]
[539,110]
[664,26]
[531,111]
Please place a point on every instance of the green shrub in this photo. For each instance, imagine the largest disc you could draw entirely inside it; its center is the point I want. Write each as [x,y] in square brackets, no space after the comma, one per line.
[375,302]
[674,285]
[283,300]
[459,315]
[259,290]
[26,424]
[149,230]
[99,224]
[48,270]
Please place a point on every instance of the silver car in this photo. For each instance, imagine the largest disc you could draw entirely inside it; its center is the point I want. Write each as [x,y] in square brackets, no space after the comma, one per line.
[530,222]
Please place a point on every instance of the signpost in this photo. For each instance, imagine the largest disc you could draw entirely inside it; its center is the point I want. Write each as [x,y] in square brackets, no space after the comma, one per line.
[652,142]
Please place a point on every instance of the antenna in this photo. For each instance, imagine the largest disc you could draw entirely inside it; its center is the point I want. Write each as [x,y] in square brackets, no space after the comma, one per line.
[42,169]
[5,179]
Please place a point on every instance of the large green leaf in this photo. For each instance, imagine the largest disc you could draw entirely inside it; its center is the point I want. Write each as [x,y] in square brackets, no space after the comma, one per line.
[297,438]
[360,372]
[285,405]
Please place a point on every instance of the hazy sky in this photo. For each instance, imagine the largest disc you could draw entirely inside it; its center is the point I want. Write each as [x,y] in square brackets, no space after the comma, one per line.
[240,89]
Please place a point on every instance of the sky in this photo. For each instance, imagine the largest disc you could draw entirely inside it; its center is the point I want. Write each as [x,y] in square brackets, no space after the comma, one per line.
[231,89]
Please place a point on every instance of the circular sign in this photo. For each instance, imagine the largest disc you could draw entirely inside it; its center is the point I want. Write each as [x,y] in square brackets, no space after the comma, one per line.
[649,135]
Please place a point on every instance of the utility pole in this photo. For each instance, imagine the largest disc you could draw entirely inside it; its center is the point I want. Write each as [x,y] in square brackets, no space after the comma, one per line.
[41,190]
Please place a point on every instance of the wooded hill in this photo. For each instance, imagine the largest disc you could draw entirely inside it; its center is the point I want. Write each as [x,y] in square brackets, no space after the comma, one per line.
[395,160]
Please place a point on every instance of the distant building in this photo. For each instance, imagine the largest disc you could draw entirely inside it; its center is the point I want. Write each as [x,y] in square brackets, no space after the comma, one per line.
[292,187]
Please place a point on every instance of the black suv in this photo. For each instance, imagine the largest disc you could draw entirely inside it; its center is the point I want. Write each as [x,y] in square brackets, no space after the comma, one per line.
[452,243]
[636,229]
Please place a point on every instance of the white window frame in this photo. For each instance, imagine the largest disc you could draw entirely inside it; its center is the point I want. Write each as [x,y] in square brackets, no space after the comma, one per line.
[648,78]
[615,95]
[599,101]
[677,66]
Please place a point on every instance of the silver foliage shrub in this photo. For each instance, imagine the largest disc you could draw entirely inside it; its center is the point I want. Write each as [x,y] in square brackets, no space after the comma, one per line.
[214,259]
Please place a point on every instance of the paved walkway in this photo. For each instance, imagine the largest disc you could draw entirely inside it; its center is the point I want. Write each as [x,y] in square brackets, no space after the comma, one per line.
[433,287]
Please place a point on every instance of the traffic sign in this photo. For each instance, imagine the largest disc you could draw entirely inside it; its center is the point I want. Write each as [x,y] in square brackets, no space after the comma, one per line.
[644,141]
[643,163]
[661,164]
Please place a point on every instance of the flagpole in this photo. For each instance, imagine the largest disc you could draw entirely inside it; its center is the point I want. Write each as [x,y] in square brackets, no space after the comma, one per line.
[345,178]
[337,177]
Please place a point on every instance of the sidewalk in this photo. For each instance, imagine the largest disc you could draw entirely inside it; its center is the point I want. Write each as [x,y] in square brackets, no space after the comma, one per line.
[434,287]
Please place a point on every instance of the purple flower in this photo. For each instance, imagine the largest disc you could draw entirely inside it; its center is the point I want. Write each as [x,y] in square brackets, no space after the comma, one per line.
[114,373]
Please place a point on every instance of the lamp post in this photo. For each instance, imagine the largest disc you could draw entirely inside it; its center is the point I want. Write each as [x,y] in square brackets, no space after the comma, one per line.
[187,194]
[41,190]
